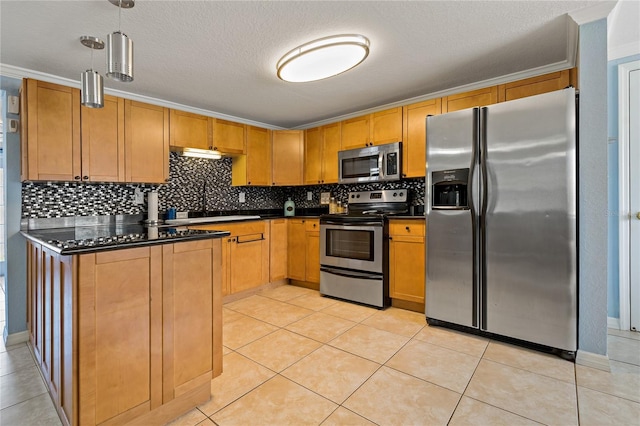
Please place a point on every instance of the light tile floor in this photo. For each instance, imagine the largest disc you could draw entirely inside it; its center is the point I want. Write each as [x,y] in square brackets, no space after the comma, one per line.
[292,357]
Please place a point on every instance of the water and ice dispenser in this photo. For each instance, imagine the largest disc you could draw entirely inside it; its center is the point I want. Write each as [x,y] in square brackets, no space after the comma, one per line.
[449,189]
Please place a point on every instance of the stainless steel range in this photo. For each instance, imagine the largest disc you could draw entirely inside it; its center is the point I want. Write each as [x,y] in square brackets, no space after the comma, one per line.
[354,247]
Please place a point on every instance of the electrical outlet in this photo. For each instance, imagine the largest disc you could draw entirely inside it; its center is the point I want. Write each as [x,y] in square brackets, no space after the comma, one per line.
[309,195]
[182,215]
[138,196]
[241,197]
[325,198]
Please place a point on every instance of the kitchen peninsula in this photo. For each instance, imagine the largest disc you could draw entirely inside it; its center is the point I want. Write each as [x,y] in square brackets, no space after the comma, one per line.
[125,330]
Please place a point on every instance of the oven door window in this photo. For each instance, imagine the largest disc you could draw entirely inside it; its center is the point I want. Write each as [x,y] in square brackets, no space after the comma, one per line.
[350,244]
[365,166]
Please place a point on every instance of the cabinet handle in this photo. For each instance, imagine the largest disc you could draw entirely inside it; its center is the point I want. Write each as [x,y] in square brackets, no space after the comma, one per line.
[314,225]
[390,238]
[85,177]
[302,220]
[210,147]
[229,240]
[215,148]
[166,180]
[248,183]
[76,177]
[407,228]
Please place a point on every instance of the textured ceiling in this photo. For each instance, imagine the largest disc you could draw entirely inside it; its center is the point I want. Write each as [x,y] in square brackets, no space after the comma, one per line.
[220,56]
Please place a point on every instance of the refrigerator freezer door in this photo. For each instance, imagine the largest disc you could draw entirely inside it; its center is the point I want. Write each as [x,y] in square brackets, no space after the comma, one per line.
[529,213]
[451,290]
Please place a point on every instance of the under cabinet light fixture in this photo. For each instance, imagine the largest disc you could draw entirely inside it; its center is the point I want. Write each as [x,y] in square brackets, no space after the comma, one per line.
[323,58]
[120,48]
[92,93]
[198,153]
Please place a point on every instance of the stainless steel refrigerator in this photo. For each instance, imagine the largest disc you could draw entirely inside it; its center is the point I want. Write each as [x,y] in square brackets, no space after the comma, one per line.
[501,220]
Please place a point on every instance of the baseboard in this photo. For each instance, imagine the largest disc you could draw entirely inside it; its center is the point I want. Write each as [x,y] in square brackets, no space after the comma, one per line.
[613,323]
[589,359]
[15,338]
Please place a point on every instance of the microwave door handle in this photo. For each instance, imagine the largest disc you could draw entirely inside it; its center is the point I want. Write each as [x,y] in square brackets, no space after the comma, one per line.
[381,164]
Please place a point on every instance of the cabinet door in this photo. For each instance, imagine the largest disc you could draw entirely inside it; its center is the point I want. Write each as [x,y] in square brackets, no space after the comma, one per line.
[146,141]
[228,137]
[120,346]
[407,260]
[188,299]
[386,126]
[355,133]
[312,261]
[534,86]
[246,262]
[332,137]
[288,157]
[277,250]
[53,132]
[297,247]
[480,97]
[35,293]
[313,156]
[414,158]
[258,156]
[103,141]
[190,130]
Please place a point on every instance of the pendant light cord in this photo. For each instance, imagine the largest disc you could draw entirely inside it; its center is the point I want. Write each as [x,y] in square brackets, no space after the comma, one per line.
[119,15]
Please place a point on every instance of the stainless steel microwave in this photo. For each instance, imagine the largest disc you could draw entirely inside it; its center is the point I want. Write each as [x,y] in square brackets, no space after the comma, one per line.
[378,163]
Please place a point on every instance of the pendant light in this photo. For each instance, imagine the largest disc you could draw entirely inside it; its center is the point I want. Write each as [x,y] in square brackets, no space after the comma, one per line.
[92,94]
[323,58]
[120,48]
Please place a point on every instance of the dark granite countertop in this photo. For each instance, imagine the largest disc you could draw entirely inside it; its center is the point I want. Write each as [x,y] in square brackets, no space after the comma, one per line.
[91,239]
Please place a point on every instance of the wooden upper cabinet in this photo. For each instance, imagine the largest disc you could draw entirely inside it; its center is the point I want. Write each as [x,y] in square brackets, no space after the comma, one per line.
[189,130]
[258,156]
[51,143]
[474,98]
[228,137]
[536,85]
[313,139]
[288,157]
[414,139]
[332,138]
[254,168]
[146,142]
[373,129]
[355,132]
[103,142]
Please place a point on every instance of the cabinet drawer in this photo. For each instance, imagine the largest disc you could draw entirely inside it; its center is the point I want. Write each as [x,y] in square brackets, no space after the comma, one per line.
[312,225]
[407,227]
[244,228]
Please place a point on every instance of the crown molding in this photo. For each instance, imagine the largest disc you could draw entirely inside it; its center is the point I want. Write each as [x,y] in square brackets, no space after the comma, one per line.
[622,51]
[593,13]
[20,73]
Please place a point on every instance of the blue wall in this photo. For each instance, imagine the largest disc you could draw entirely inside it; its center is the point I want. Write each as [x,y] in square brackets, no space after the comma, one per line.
[613,295]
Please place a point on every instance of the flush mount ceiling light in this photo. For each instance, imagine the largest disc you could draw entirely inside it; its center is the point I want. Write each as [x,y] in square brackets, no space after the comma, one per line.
[92,93]
[120,48]
[323,58]
[199,153]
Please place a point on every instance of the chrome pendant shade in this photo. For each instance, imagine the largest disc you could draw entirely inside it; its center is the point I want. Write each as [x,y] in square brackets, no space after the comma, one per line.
[119,57]
[120,48]
[92,93]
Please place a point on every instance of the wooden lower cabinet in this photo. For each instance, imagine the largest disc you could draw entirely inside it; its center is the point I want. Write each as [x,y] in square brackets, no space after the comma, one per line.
[407,260]
[132,335]
[277,249]
[304,250]
[245,255]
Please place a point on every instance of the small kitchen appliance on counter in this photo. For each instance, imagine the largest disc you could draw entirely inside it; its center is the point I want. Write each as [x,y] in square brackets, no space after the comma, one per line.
[354,247]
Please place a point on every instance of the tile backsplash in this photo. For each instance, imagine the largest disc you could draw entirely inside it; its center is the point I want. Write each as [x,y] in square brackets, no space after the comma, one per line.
[185,191]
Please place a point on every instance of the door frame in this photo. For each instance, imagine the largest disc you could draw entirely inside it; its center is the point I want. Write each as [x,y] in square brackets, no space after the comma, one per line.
[624,177]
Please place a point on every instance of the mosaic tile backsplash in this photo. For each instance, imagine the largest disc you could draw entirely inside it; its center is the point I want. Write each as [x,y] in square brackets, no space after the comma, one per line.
[191,181]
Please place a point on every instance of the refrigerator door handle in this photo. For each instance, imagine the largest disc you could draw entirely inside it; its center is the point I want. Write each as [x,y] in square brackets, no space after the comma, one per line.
[483,216]
[474,214]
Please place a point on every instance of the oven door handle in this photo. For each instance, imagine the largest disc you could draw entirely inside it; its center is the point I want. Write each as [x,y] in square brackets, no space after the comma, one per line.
[362,276]
[333,222]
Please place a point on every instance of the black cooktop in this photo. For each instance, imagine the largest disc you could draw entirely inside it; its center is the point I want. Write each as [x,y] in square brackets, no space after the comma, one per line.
[85,239]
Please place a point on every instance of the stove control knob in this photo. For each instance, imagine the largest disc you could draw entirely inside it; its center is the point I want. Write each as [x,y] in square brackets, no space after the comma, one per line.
[358,196]
[353,196]
[401,194]
[395,194]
